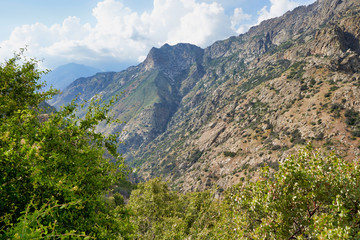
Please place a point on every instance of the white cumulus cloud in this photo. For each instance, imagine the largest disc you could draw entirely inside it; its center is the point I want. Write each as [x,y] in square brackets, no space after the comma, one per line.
[202,24]
[122,35]
[237,21]
[277,8]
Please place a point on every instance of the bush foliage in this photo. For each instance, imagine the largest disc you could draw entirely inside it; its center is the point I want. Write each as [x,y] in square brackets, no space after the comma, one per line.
[311,196]
[53,172]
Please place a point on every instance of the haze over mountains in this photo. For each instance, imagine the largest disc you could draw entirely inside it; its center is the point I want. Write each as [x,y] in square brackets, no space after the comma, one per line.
[62,76]
[205,117]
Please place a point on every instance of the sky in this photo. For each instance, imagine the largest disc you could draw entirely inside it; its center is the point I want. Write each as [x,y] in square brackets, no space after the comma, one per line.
[114,34]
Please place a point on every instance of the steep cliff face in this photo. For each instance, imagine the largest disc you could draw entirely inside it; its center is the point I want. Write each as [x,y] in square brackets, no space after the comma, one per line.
[291,80]
[151,92]
[204,117]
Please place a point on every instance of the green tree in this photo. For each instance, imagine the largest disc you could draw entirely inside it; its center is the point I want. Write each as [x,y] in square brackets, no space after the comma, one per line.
[19,85]
[156,210]
[311,197]
[57,166]
[160,213]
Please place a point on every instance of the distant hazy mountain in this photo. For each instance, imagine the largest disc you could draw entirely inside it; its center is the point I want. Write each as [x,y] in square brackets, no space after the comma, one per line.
[62,76]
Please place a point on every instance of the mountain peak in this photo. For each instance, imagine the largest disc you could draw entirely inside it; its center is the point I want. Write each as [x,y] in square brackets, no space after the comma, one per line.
[178,57]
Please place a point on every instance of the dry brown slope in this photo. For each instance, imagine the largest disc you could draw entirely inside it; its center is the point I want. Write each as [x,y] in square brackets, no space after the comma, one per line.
[242,115]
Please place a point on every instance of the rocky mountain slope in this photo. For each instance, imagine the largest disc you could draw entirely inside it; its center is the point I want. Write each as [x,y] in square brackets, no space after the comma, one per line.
[211,117]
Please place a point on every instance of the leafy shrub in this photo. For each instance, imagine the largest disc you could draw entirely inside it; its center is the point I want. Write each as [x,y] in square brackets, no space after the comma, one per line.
[312,82]
[296,137]
[161,213]
[352,117]
[311,196]
[353,120]
[275,147]
[195,156]
[333,88]
[229,154]
[336,108]
[356,133]
[304,87]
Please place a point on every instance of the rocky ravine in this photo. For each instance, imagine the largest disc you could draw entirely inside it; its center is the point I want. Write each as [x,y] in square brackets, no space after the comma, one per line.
[205,117]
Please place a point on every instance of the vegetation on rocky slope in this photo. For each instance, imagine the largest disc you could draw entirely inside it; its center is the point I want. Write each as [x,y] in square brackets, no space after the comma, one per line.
[311,196]
[218,124]
[57,184]
[263,95]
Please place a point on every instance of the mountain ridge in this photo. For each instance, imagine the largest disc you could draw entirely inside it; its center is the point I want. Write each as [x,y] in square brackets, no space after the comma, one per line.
[64,75]
[205,117]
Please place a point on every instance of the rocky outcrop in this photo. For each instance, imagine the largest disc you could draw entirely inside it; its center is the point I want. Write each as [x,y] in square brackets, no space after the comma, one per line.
[173,60]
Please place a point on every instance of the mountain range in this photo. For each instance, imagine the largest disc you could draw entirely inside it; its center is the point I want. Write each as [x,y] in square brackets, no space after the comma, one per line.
[211,117]
[62,76]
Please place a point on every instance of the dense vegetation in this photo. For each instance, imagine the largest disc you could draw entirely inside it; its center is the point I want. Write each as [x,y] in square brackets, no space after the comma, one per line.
[53,173]
[310,197]
[56,181]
